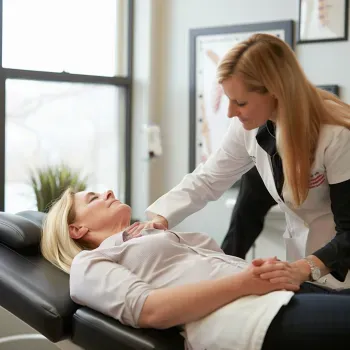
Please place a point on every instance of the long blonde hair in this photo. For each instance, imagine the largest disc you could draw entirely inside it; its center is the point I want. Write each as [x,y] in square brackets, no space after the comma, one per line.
[268,64]
[56,244]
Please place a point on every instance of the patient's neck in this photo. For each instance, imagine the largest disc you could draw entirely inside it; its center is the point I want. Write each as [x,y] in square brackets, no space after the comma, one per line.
[95,238]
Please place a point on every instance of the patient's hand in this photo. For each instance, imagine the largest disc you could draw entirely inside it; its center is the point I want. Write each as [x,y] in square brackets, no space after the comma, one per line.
[253,284]
[277,271]
[261,261]
[136,228]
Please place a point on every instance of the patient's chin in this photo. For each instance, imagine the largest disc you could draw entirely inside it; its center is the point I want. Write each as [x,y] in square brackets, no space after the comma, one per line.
[123,212]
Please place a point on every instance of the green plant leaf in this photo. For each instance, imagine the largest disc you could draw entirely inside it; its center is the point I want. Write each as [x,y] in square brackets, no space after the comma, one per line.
[49,183]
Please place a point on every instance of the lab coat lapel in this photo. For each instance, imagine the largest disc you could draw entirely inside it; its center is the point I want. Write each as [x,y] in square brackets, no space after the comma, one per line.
[264,166]
[295,234]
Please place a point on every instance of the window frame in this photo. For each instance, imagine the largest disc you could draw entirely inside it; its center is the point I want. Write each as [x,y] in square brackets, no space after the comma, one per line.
[124,82]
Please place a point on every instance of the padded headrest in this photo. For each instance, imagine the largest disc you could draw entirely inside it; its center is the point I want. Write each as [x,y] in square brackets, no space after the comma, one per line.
[31,287]
[36,216]
[18,232]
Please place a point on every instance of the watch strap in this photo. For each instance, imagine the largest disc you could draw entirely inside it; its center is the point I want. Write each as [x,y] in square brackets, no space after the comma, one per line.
[313,269]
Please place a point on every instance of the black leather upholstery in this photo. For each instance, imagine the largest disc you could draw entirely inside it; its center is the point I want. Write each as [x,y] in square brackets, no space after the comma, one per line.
[18,233]
[38,293]
[35,216]
[30,287]
[91,329]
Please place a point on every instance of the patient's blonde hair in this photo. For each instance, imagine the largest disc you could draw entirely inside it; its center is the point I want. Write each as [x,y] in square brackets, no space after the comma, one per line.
[268,64]
[56,244]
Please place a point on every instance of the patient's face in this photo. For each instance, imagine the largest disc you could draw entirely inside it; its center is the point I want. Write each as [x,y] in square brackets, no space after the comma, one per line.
[101,211]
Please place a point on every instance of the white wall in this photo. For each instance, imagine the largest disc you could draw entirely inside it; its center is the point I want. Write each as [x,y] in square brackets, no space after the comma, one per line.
[324,63]
[148,37]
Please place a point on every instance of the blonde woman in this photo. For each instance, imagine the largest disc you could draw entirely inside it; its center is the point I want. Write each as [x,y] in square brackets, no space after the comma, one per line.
[160,278]
[298,138]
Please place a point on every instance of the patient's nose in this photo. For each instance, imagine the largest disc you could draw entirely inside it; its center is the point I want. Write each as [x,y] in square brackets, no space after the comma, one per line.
[108,194]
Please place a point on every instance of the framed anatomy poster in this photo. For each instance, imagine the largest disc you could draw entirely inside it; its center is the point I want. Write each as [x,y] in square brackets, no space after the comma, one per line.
[334,89]
[208,105]
[323,20]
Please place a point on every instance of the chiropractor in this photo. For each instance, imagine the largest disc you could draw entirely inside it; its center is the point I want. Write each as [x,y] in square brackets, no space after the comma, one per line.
[253,200]
[298,138]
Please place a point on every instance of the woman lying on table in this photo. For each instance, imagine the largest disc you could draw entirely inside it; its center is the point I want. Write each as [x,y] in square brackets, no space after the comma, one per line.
[159,278]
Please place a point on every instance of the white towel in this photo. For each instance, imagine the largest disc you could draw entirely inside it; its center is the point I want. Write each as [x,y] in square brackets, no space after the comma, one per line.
[240,325]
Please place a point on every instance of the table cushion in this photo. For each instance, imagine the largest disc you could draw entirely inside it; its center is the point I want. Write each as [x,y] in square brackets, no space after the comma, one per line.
[30,287]
[18,232]
[92,331]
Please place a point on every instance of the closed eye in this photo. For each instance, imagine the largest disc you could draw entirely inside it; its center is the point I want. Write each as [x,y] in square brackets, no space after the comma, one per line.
[93,198]
[239,104]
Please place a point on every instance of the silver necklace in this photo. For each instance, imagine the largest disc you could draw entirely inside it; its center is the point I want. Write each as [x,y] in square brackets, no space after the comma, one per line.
[267,128]
[269,131]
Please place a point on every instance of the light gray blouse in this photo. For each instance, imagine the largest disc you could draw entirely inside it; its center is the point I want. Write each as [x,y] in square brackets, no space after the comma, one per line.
[116,278]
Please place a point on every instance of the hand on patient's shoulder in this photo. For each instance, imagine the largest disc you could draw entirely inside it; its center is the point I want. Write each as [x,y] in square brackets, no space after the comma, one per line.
[134,231]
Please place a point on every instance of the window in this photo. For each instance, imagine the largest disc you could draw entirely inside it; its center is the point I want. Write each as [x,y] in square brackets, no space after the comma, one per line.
[67,94]
[74,36]
[49,123]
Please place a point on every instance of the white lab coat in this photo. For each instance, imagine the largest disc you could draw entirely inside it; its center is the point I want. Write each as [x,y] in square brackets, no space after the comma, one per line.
[307,228]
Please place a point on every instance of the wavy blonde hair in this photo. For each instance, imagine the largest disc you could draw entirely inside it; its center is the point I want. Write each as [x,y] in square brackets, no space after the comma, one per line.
[268,64]
[56,244]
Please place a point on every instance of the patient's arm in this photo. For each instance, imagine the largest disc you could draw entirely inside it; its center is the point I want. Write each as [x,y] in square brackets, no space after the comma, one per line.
[275,270]
[105,286]
[100,283]
[173,306]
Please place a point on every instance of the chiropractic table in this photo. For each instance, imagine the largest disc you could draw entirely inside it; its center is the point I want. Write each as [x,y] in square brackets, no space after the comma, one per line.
[37,293]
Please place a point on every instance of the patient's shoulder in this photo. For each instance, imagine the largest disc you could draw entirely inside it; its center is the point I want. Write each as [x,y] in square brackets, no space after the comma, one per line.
[100,252]
[83,260]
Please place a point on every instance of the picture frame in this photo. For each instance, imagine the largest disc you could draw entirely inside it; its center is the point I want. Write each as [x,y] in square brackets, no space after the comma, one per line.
[323,21]
[207,104]
[334,89]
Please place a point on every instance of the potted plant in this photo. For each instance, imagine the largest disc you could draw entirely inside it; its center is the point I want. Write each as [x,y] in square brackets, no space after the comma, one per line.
[50,182]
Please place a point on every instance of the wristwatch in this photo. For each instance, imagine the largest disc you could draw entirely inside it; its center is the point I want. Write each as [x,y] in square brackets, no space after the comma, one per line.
[315,271]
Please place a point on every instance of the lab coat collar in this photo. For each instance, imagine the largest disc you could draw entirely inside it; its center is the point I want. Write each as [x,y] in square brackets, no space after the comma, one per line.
[266,138]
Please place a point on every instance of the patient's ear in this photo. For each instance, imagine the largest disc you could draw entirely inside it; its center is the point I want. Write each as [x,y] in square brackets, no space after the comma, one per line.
[77,232]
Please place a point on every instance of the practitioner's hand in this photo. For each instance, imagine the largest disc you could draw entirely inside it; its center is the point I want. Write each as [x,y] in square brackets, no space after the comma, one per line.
[255,285]
[261,261]
[277,271]
[135,229]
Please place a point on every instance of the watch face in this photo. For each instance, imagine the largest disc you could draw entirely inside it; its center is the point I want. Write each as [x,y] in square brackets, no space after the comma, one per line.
[316,274]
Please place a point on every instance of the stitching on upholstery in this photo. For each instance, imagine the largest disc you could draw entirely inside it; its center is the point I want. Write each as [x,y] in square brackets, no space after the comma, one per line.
[9,225]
